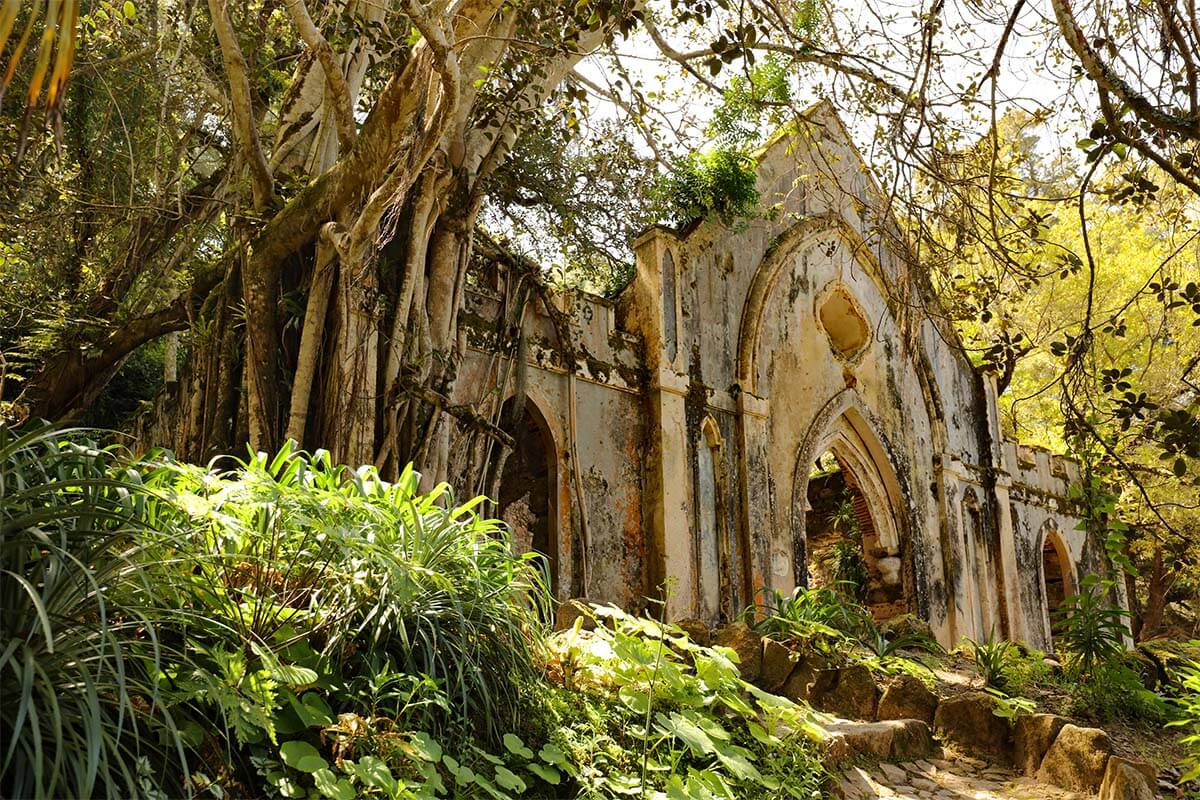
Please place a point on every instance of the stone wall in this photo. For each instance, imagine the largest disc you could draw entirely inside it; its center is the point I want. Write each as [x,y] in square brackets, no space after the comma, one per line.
[701,398]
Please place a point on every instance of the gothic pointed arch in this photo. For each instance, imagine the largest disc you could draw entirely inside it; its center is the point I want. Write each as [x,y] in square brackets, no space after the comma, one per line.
[774,263]
[842,430]
[1057,573]
[528,483]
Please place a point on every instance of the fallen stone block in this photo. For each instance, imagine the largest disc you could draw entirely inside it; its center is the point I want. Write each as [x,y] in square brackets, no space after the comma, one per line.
[848,692]
[1125,779]
[967,722]
[906,697]
[739,637]
[1032,736]
[1077,759]
[778,661]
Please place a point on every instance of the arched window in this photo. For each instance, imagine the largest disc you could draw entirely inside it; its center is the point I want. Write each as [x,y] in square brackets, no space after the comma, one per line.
[670,336]
[710,545]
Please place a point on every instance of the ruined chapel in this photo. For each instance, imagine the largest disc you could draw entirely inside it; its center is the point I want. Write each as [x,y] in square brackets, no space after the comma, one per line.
[758,397]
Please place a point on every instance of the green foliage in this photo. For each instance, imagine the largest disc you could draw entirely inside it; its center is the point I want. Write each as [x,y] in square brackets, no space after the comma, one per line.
[752,104]
[289,628]
[884,644]
[848,568]
[79,645]
[1011,706]
[671,719]
[168,611]
[1187,710]
[992,657]
[1114,691]
[821,618]
[1089,629]
[302,562]
[138,380]
[828,621]
[719,184]
[1025,670]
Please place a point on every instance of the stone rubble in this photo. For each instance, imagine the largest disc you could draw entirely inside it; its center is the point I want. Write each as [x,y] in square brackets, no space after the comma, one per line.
[939,779]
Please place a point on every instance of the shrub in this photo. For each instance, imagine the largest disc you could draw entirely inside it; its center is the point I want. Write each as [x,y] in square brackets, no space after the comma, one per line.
[80,643]
[992,657]
[1187,708]
[303,562]
[669,716]
[821,618]
[1113,691]
[716,185]
[1025,670]
[1090,631]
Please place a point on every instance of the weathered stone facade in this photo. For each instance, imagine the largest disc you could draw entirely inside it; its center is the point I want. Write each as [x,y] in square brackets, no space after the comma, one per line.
[679,451]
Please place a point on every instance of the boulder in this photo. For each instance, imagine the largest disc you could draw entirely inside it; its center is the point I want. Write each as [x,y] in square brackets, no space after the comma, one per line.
[1077,759]
[848,692]
[912,739]
[573,609]
[799,683]
[896,739]
[967,721]
[696,630]
[906,697]
[1127,780]
[777,663]
[1032,736]
[739,637]
[904,624]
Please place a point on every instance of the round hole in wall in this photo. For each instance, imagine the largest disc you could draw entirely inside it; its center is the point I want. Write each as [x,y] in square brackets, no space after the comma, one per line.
[843,323]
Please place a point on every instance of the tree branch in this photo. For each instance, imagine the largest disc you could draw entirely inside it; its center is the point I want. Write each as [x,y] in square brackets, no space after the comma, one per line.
[262,185]
[336,90]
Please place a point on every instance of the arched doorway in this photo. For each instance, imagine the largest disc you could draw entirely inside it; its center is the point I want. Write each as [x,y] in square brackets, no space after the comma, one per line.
[527,492]
[1057,583]
[846,519]
[842,546]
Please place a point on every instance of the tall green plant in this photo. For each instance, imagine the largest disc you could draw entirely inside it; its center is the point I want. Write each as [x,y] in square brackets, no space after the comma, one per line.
[306,563]
[1089,628]
[79,643]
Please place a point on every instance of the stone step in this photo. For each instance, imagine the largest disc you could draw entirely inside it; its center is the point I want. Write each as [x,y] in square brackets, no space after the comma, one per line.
[895,739]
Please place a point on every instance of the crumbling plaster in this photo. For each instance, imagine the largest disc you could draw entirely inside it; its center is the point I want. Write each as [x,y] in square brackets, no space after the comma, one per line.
[736,352]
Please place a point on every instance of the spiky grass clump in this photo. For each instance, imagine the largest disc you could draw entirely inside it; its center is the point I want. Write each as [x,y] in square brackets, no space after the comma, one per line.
[79,648]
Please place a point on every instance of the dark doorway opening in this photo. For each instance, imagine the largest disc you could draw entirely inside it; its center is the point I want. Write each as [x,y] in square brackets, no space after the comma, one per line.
[525,496]
[1056,575]
[842,545]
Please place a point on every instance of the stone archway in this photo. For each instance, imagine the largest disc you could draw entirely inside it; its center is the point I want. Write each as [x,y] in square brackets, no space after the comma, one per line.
[1058,579]
[527,498]
[848,439]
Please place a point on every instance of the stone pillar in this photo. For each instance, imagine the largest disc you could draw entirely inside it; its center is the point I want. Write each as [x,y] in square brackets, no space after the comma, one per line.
[1018,615]
[650,308]
[669,483]
[766,562]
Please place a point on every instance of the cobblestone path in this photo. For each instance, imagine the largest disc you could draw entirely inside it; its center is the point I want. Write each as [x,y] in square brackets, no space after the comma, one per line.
[937,779]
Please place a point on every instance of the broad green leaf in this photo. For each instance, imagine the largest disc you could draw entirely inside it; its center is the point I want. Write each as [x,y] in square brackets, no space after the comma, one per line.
[516,746]
[549,774]
[506,778]
[636,700]
[302,756]
[373,772]
[426,747]
[552,754]
[332,786]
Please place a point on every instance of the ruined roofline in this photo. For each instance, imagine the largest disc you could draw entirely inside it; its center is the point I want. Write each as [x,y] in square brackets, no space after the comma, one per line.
[493,249]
